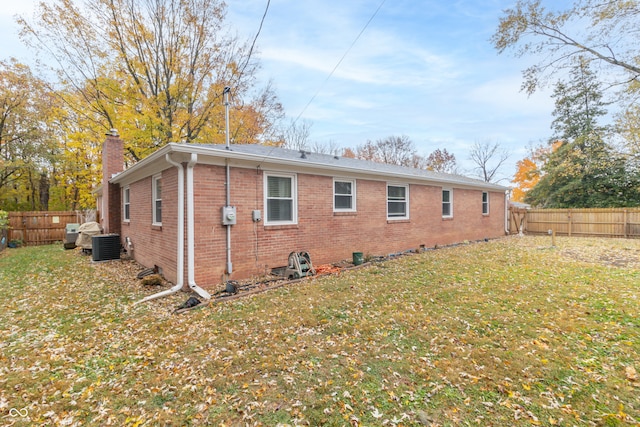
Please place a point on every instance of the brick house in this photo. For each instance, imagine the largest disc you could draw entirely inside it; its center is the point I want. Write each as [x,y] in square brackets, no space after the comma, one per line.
[280,201]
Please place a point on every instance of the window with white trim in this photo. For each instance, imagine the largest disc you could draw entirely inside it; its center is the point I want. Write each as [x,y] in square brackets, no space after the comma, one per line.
[156,189]
[280,192]
[344,195]
[447,203]
[397,201]
[485,203]
[126,204]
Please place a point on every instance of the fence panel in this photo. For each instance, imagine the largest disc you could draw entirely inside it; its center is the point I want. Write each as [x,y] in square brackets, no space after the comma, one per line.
[517,220]
[611,222]
[540,221]
[41,228]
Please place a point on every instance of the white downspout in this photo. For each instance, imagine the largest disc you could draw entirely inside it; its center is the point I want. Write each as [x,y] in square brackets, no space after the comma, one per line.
[190,230]
[228,175]
[228,185]
[180,267]
[507,221]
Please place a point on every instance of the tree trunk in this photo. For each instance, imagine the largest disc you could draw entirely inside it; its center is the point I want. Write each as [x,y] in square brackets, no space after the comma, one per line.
[44,192]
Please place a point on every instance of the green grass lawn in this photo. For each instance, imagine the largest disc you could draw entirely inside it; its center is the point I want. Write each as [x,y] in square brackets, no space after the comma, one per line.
[511,332]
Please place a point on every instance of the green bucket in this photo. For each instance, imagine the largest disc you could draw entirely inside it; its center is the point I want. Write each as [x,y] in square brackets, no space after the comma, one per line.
[357,258]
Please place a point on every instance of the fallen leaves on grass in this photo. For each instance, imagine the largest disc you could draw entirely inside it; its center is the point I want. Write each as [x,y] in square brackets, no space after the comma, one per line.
[499,333]
[327,269]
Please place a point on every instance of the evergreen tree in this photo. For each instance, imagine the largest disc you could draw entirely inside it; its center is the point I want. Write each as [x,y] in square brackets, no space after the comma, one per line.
[585,172]
[579,105]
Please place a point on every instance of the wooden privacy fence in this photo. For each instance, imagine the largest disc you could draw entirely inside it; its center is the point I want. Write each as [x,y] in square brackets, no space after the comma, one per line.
[610,222]
[41,228]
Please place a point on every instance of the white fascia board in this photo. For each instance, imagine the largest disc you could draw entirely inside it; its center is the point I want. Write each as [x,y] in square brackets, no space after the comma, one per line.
[156,163]
[146,167]
[216,157]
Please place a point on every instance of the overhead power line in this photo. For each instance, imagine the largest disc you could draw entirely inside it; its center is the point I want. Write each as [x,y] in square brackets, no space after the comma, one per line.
[339,62]
[253,44]
[332,71]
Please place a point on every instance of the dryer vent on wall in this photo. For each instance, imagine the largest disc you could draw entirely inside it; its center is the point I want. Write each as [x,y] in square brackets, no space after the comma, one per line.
[105,247]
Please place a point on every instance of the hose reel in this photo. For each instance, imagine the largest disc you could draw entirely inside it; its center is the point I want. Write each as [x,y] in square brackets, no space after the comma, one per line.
[299,266]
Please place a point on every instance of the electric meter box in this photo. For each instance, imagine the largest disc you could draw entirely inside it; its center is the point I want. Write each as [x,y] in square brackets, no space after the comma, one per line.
[228,215]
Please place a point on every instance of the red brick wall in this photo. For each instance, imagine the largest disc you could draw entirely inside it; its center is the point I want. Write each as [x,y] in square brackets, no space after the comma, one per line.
[112,163]
[154,245]
[328,236]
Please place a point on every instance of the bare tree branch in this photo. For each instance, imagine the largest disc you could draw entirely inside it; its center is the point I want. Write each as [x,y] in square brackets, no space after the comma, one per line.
[488,158]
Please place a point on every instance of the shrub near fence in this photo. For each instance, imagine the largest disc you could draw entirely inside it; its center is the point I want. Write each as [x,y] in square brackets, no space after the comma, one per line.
[4,231]
[41,228]
[611,222]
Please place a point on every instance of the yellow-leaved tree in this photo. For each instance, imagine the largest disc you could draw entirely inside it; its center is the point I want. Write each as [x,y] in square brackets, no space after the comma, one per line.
[78,161]
[529,170]
[155,70]
[27,148]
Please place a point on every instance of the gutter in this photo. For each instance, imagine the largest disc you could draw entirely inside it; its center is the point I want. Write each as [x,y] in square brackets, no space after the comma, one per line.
[180,243]
[331,169]
[131,174]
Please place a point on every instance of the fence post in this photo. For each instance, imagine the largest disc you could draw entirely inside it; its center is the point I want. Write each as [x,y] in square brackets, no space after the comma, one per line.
[626,234]
[570,222]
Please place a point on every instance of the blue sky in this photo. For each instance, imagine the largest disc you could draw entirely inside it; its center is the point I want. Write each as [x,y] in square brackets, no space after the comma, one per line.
[425,69]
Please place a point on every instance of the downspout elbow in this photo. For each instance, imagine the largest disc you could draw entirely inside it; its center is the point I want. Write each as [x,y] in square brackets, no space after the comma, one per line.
[180,238]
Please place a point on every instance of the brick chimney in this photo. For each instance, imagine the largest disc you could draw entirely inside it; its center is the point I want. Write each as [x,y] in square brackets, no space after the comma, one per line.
[112,163]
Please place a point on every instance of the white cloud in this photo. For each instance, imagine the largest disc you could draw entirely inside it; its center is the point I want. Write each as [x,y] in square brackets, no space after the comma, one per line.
[503,95]
[424,69]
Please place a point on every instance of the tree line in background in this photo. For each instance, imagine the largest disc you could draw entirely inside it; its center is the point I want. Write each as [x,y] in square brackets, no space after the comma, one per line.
[486,156]
[155,70]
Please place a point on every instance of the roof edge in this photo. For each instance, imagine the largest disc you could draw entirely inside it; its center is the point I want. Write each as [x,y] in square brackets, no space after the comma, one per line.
[171,147]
